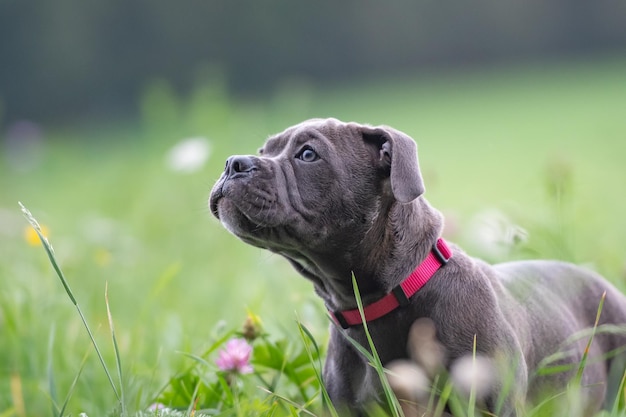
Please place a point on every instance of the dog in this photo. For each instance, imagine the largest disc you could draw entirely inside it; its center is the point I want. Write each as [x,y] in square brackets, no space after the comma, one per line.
[343,201]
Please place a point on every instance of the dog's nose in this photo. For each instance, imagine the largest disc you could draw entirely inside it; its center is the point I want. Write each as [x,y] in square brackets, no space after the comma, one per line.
[239,165]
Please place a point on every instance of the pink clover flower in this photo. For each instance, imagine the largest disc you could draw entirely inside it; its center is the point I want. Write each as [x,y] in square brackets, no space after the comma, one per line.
[235,357]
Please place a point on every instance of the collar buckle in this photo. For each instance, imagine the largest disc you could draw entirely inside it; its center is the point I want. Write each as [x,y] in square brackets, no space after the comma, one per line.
[400,295]
[440,256]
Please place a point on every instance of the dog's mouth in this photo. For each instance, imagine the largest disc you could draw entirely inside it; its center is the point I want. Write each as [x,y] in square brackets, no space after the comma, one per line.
[249,229]
[244,208]
[216,195]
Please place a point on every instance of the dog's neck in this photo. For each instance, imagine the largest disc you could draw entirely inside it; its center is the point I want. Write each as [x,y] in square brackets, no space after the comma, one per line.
[387,253]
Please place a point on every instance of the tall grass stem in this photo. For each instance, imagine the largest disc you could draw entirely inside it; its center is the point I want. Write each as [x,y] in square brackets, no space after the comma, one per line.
[44,241]
[50,370]
[392,401]
[73,385]
[583,361]
[118,361]
[306,334]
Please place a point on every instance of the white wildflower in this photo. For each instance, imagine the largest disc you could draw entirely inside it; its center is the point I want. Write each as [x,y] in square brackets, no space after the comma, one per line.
[189,155]
[424,348]
[473,374]
[407,380]
[493,234]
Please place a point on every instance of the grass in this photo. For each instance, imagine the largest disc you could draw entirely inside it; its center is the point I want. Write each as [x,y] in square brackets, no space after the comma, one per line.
[544,145]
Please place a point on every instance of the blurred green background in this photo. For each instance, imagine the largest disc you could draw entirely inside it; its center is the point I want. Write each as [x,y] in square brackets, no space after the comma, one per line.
[116,119]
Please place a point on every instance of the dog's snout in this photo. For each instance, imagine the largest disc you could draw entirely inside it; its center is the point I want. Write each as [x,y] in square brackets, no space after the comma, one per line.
[239,165]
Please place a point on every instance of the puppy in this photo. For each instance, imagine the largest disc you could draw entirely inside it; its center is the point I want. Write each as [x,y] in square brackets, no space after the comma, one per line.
[341,200]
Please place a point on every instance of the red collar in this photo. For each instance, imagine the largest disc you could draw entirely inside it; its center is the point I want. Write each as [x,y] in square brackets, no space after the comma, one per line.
[399,296]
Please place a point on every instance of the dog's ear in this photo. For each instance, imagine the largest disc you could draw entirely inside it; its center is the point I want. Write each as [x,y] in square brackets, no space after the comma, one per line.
[398,152]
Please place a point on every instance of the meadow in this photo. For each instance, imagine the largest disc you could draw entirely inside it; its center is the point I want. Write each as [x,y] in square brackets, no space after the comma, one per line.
[524,161]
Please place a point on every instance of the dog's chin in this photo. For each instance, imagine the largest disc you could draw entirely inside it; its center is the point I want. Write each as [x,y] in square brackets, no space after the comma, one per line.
[242,225]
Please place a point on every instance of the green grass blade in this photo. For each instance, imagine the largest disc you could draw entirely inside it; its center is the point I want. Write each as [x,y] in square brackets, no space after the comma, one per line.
[443,399]
[50,371]
[118,361]
[70,392]
[44,241]
[620,398]
[306,334]
[392,401]
[309,336]
[298,407]
[546,400]
[198,359]
[472,397]
[100,357]
[583,361]
[194,399]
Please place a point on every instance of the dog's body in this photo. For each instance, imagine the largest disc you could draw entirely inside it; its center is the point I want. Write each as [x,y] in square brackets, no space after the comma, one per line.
[341,200]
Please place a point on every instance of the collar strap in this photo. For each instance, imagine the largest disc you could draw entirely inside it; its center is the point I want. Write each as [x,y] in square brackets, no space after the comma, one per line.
[400,295]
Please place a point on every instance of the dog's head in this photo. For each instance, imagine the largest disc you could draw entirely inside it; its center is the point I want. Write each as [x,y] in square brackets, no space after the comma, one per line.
[316,188]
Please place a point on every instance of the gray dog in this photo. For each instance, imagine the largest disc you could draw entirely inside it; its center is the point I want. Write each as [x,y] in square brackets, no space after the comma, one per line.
[342,199]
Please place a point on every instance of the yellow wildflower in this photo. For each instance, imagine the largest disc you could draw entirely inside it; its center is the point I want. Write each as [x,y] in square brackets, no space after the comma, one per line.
[102,257]
[31,237]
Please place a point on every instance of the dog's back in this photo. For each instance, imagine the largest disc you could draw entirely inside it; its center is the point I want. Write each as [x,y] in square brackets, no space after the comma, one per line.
[553,306]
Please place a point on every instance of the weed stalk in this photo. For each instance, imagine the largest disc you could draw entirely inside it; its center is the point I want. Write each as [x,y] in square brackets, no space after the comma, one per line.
[44,241]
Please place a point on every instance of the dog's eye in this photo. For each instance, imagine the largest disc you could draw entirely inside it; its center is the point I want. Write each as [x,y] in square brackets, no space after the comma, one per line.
[307,155]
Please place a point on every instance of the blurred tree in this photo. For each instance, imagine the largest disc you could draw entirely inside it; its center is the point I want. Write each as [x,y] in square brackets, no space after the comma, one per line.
[69,58]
